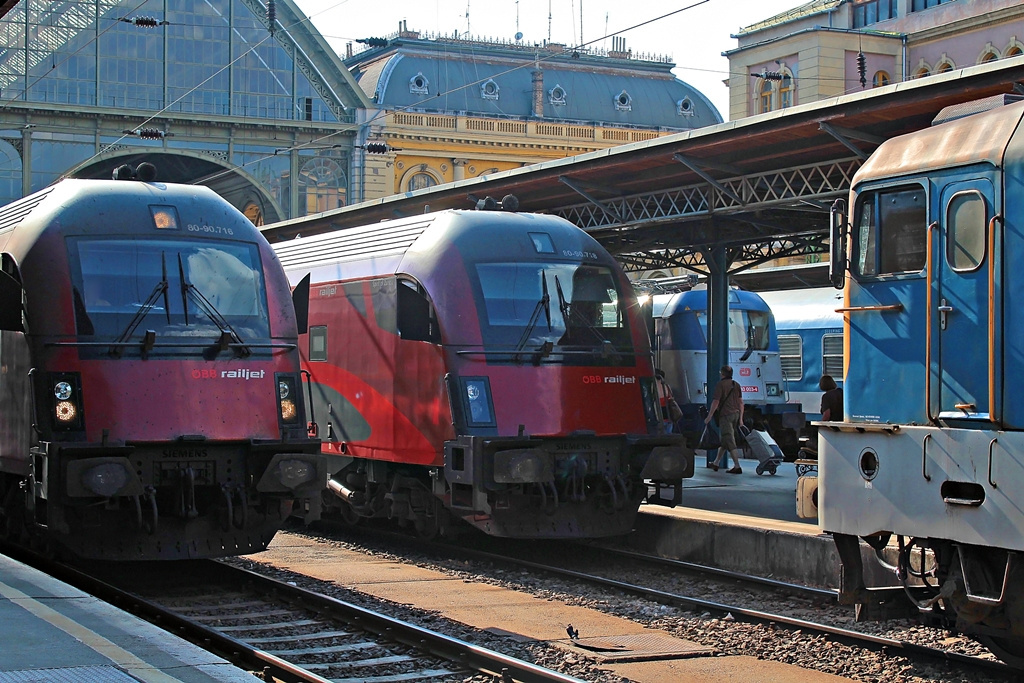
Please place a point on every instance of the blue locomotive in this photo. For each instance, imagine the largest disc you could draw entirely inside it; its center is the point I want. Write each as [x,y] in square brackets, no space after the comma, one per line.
[928,460]
[681,350]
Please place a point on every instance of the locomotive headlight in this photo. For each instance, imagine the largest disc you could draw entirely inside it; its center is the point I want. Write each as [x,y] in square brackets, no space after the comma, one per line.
[62,390]
[667,463]
[294,473]
[65,411]
[287,408]
[106,479]
[522,466]
[771,389]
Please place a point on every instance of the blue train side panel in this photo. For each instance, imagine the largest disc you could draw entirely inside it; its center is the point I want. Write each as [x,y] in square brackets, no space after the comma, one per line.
[810,337]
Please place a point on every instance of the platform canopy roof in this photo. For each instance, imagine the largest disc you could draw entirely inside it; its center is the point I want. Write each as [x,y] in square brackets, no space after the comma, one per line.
[759,186]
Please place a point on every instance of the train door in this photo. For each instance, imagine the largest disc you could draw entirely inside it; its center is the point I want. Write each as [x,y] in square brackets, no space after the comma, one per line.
[961,317]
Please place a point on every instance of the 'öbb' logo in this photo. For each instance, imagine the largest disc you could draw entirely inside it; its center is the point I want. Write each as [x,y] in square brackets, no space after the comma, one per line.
[243,373]
[744,372]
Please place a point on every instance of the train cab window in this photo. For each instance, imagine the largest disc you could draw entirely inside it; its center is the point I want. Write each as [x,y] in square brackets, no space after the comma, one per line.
[179,288]
[318,343]
[966,231]
[792,356]
[891,231]
[542,243]
[384,299]
[416,318]
[747,329]
[574,307]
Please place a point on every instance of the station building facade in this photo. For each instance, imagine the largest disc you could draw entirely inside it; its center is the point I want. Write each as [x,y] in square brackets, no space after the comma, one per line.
[828,48]
[812,51]
[450,108]
[246,97]
[217,93]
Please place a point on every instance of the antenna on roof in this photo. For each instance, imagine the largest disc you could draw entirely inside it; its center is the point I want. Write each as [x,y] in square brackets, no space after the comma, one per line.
[581,22]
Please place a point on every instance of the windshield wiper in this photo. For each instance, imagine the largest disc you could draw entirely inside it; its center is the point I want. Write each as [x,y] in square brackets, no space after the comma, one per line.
[569,313]
[544,304]
[750,345]
[158,291]
[227,333]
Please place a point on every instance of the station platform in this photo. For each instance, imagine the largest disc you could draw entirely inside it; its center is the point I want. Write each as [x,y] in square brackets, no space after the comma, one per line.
[745,523]
[55,633]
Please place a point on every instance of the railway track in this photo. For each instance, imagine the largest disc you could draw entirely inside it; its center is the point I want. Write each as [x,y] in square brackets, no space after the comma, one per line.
[579,565]
[287,633]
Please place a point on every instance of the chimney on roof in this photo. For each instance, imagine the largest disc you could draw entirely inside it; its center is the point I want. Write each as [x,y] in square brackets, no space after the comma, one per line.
[619,50]
[404,32]
[538,92]
[348,50]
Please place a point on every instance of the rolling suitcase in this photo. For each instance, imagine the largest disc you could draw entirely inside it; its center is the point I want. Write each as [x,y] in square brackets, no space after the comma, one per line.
[764,448]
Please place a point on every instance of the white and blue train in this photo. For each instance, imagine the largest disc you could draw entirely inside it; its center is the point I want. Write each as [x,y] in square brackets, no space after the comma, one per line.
[810,342]
[930,449]
[681,350]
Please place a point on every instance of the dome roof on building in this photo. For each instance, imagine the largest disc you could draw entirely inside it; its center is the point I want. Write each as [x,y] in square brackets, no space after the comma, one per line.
[492,79]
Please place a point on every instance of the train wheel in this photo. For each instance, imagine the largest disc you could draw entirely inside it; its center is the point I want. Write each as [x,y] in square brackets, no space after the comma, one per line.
[348,514]
[427,527]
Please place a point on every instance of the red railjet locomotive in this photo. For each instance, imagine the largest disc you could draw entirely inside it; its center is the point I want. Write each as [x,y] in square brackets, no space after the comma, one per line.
[149,378]
[486,366]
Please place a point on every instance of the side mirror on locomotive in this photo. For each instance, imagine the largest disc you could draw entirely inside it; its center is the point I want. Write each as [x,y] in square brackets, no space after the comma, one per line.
[837,244]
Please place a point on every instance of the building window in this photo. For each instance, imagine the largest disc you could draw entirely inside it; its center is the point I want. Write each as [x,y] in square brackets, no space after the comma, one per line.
[623,102]
[322,184]
[556,95]
[922,70]
[420,180]
[254,212]
[988,56]
[918,5]
[489,90]
[786,92]
[944,65]
[873,11]
[765,100]
[684,107]
[1014,49]
[418,84]
[879,79]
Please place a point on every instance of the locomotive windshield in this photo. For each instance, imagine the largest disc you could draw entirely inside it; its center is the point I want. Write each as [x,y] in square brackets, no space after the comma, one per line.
[192,292]
[747,329]
[570,313]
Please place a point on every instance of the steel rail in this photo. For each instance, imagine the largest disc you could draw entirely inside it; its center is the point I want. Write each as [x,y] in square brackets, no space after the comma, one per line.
[843,635]
[467,655]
